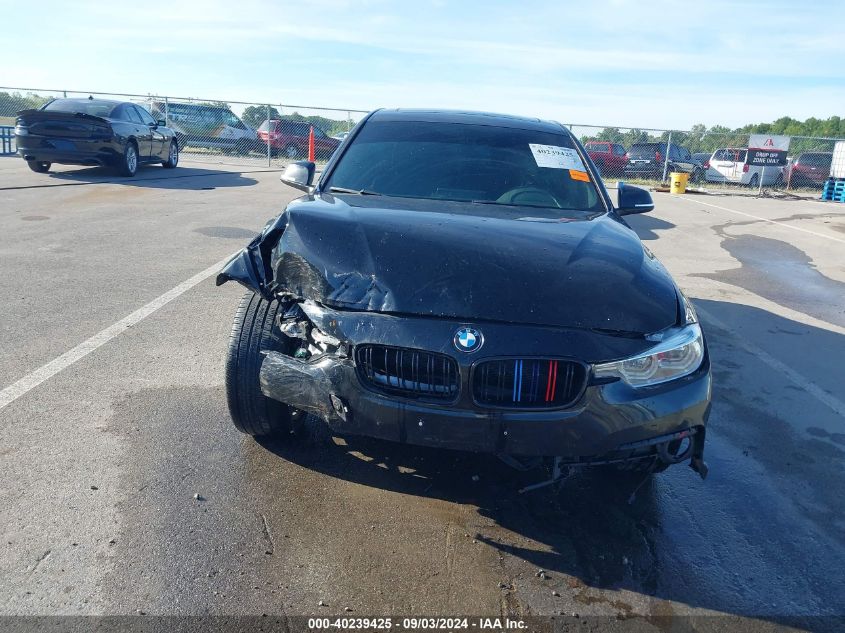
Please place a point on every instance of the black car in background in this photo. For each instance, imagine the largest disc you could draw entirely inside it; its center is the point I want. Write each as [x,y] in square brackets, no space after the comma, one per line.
[702,158]
[648,160]
[464,280]
[91,131]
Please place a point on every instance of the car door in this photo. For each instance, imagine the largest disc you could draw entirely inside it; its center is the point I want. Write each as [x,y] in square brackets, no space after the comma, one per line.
[744,173]
[619,159]
[142,133]
[732,169]
[675,163]
[685,159]
[159,141]
[722,164]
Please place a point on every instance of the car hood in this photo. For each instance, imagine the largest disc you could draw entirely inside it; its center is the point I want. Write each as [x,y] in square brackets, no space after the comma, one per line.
[467,261]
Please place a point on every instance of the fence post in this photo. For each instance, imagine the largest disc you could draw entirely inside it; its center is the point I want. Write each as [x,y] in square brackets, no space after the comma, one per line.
[269,127]
[166,112]
[666,161]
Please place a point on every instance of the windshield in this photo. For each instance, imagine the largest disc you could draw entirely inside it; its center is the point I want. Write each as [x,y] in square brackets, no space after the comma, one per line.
[467,163]
[85,106]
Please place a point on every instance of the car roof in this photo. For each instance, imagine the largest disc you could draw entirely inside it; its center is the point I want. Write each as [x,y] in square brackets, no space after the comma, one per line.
[468,118]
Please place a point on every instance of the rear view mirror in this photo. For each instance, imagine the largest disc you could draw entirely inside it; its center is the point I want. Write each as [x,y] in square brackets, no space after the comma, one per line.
[632,200]
[299,175]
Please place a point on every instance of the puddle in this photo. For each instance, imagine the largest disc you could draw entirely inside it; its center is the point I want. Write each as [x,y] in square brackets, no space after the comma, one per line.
[784,274]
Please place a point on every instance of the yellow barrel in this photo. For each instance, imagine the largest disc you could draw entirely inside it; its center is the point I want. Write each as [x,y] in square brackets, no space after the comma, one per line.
[678,182]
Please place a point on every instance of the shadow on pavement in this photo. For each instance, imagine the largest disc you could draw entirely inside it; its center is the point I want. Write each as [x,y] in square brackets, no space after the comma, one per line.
[646,226]
[153,176]
[730,544]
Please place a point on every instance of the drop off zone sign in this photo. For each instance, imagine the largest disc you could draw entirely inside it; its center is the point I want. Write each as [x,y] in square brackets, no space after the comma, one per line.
[766,150]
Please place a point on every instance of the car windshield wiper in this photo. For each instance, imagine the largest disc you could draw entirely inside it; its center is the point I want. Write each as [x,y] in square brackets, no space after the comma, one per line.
[359,192]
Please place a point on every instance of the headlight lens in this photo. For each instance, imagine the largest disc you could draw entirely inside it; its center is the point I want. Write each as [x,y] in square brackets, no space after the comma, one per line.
[678,355]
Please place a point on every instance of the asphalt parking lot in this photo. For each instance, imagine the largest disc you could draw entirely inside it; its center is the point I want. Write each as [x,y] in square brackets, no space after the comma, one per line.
[113,417]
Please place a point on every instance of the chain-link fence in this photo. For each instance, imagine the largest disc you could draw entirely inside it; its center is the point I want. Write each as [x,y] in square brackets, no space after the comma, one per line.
[214,131]
[268,134]
[715,158]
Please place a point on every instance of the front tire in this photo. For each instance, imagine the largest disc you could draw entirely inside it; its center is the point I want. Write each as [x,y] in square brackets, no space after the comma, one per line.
[39,166]
[253,332]
[129,163]
[172,156]
[291,151]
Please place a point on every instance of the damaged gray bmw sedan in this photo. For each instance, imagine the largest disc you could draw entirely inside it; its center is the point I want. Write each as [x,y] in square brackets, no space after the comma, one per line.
[464,280]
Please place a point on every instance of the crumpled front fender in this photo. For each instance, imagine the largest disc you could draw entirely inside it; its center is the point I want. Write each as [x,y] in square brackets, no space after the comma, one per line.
[243,269]
[248,267]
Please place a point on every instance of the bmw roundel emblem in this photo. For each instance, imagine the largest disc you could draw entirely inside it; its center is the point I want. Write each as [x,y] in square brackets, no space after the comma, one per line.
[468,339]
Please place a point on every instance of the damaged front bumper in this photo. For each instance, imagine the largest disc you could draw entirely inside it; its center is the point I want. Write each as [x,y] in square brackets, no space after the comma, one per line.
[610,421]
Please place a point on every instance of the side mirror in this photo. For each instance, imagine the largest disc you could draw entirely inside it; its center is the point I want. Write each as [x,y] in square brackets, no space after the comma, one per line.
[632,200]
[299,175]
[161,123]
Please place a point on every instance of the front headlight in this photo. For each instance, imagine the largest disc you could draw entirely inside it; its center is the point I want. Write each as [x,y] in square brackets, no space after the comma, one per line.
[677,355]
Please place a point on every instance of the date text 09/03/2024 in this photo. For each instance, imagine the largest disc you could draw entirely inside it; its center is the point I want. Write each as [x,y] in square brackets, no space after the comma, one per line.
[417,623]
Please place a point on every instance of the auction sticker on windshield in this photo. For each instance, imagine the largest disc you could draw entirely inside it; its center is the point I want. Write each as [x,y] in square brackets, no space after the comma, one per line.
[556,157]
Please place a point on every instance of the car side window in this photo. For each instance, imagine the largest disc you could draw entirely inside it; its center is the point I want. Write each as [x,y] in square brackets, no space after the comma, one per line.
[120,113]
[133,115]
[618,150]
[685,154]
[146,117]
[233,121]
[319,133]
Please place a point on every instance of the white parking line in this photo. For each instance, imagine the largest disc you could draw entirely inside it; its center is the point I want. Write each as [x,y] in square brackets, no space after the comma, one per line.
[834,403]
[45,372]
[757,217]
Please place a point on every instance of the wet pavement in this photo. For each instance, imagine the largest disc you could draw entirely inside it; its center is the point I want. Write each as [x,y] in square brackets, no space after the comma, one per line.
[102,464]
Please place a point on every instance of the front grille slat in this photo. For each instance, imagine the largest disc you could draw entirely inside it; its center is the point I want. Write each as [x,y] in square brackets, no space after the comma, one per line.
[408,372]
[528,383]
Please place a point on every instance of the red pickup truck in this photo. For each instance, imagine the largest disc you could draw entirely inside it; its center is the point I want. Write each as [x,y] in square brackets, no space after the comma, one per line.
[608,157]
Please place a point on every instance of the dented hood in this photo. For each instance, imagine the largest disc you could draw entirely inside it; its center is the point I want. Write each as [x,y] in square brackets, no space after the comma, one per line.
[467,261]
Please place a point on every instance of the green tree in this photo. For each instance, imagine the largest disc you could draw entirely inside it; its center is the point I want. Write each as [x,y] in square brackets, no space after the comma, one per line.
[254,116]
[216,104]
[330,126]
[13,102]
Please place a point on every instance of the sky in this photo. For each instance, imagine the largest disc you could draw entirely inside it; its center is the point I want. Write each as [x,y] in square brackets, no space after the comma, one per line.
[624,63]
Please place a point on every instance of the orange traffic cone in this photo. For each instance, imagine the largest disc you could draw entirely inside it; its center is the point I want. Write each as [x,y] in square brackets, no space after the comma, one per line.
[311,145]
